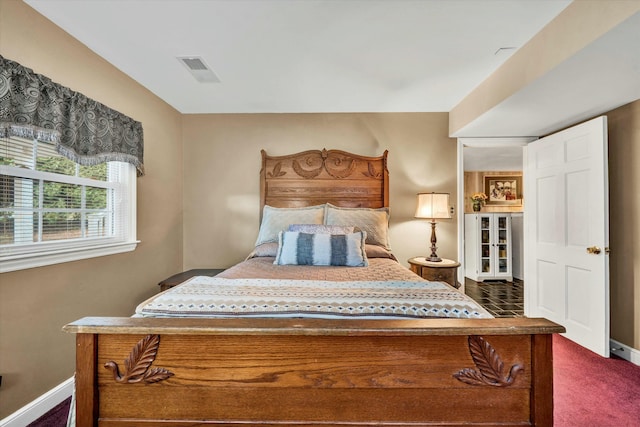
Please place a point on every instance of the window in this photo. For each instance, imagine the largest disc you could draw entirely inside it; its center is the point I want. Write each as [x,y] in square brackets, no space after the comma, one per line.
[53,210]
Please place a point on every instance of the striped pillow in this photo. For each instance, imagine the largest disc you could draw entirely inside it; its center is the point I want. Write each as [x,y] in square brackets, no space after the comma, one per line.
[296,248]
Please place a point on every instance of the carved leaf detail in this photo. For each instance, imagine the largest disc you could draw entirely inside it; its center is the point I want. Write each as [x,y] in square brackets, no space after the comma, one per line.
[142,356]
[277,171]
[305,173]
[489,366]
[371,171]
[470,376]
[138,363]
[485,358]
[157,374]
[341,173]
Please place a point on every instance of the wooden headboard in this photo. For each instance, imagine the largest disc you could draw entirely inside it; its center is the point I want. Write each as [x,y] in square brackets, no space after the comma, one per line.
[315,177]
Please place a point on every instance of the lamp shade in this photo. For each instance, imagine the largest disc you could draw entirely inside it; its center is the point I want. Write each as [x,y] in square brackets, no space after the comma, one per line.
[433,206]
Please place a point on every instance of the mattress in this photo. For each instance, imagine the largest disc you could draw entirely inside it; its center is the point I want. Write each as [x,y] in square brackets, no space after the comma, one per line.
[258,288]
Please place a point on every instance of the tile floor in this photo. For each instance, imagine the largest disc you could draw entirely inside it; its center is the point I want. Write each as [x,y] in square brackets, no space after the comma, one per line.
[501,299]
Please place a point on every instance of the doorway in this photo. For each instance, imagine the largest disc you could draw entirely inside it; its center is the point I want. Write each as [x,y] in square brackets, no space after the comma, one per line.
[477,159]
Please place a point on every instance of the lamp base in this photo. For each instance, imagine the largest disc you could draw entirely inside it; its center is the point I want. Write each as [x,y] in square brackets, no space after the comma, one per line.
[434,256]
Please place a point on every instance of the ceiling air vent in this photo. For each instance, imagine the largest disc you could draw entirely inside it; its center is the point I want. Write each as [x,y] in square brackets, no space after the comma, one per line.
[508,50]
[199,69]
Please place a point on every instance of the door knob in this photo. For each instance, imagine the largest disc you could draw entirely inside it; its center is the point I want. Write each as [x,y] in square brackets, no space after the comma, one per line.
[593,250]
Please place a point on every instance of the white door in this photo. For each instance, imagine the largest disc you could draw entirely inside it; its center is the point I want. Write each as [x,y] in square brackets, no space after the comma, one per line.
[567,223]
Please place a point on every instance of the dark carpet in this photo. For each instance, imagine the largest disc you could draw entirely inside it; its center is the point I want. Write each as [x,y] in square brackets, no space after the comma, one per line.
[56,417]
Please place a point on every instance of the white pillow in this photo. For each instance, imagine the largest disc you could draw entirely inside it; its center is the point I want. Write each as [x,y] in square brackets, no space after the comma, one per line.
[275,220]
[296,248]
[374,221]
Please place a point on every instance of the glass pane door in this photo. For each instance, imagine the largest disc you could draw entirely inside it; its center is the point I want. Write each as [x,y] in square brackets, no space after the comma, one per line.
[485,244]
[502,244]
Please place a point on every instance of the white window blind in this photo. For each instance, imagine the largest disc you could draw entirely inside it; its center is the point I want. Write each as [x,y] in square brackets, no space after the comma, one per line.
[54,210]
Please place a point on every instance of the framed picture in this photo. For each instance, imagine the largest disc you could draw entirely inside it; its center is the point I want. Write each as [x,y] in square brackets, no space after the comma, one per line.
[504,190]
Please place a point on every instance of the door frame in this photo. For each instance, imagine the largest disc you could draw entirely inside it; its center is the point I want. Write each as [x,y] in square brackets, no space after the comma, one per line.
[477,143]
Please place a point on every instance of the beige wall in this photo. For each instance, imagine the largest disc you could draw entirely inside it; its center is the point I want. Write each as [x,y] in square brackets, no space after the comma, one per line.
[35,355]
[624,219]
[221,182]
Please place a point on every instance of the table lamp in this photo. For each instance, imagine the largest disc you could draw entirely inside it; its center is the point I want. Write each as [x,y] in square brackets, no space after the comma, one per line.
[433,206]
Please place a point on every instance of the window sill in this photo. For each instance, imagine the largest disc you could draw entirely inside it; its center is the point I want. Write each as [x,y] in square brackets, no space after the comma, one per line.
[30,260]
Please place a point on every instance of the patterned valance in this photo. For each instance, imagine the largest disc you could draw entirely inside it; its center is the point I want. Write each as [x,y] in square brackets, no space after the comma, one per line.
[84,130]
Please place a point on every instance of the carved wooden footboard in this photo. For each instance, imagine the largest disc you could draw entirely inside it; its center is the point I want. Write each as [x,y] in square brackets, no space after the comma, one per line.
[295,372]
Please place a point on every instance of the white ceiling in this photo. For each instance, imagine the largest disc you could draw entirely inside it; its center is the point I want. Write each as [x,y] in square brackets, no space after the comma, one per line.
[277,56]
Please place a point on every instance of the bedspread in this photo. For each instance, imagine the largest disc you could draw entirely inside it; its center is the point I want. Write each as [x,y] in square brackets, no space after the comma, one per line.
[264,268]
[204,296]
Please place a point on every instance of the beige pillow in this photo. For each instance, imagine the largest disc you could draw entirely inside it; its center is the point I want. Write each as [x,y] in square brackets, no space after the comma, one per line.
[275,220]
[374,221]
[264,250]
[375,251]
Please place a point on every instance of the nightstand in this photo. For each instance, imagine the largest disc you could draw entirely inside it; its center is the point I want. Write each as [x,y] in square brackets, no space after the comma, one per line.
[443,271]
[176,279]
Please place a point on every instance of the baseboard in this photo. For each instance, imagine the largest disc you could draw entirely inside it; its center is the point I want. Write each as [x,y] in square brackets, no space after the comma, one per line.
[40,406]
[625,352]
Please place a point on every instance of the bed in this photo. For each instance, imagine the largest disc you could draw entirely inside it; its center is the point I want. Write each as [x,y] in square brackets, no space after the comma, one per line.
[314,346]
